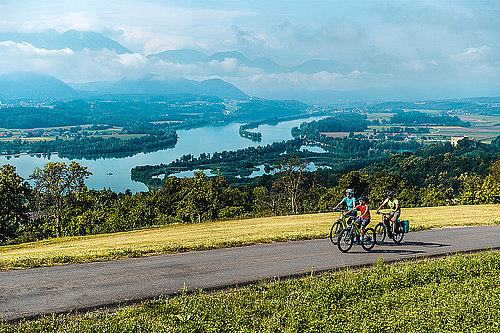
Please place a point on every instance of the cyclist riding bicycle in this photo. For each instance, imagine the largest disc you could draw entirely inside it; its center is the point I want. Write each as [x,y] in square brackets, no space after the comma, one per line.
[364,219]
[350,202]
[395,210]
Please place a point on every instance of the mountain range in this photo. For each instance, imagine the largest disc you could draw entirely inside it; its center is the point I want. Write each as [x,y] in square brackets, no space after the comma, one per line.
[80,40]
[72,39]
[187,57]
[25,85]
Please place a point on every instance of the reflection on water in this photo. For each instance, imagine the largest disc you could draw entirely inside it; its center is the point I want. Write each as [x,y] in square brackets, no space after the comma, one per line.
[114,173]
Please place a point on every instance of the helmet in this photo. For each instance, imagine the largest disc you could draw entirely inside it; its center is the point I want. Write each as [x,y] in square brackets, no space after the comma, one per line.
[363,198]
[349,191]
[390,193]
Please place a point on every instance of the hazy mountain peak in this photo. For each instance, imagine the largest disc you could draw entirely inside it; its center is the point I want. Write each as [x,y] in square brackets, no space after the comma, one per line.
[220,56]
[28,85]
[79,40]
[183,56]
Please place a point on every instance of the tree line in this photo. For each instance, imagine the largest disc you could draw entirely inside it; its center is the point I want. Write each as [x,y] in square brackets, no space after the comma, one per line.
[59,204]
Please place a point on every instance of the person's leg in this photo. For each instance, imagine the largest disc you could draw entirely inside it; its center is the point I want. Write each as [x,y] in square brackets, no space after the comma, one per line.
[395,217]
[387,222]
[359,223]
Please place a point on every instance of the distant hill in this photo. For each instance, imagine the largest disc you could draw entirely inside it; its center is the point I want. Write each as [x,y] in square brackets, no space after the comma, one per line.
[186,56]
[73,39]
[221,56]
[316,65]
[153,86]
[26,85]
[183,56]
[79,40]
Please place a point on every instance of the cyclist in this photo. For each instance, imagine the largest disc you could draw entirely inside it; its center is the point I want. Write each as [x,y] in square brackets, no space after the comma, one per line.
[350,202]
[395,210]
[364,219]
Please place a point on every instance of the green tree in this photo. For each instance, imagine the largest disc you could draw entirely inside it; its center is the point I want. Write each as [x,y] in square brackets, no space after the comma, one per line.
[14,193]
[57,180]
[291,176]
[495,170]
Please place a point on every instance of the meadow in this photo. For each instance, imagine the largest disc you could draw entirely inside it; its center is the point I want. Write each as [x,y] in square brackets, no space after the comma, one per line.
[459,293]
[210,235]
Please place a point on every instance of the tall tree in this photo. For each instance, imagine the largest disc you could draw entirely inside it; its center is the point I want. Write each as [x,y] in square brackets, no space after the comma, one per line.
[291,172]
[14,193]
[57,180]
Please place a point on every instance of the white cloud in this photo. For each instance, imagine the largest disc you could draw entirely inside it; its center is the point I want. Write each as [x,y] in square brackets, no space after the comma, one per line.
[28,50]
[473,54]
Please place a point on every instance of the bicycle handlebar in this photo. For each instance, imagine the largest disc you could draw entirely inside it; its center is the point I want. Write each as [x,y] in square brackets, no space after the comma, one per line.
[340,210]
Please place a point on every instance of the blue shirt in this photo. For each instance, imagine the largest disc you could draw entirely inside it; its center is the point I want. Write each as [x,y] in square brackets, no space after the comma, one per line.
[351,203]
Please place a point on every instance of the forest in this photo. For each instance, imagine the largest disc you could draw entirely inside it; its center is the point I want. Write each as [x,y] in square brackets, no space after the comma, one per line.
[420,118]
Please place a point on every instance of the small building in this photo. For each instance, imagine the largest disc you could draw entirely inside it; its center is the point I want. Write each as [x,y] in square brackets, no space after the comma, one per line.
[456,139]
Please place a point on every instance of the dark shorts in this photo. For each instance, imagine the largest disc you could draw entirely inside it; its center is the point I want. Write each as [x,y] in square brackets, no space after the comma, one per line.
[362,221]
[395,215]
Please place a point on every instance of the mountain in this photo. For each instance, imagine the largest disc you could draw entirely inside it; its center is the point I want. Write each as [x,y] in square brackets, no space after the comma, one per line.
[221,56]
[183,56]
[186,57]
[73,39]
[26,85]
[79,40]
[151,85]
[316,65]
[267,65]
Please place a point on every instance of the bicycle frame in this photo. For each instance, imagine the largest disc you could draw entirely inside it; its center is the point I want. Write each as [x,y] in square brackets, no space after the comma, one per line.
[344,219]
[385,217]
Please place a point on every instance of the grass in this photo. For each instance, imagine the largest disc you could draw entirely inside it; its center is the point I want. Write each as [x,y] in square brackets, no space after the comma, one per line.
[458,293]
[210,235]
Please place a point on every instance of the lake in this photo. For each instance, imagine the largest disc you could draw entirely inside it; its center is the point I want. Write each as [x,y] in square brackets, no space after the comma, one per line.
[114,173]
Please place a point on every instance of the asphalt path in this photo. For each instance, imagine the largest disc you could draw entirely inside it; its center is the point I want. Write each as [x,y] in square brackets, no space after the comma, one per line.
[29,293]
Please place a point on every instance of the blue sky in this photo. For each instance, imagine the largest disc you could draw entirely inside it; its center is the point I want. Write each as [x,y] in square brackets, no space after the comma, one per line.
[397,49]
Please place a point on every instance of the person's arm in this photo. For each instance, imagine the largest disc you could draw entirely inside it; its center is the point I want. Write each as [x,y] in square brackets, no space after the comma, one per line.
[341,201]
[382,205]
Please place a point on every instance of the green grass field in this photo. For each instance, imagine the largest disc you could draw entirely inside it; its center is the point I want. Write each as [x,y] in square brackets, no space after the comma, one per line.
[210,235]
[458,293]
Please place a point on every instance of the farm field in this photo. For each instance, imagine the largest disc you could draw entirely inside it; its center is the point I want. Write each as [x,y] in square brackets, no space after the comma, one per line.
[203,236]
[459,293]
[483,133]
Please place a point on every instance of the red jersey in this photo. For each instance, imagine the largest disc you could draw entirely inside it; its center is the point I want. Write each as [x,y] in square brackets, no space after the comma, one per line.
[364,209]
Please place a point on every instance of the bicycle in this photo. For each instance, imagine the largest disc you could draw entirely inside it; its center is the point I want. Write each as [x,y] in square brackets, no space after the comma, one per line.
[396,228]
[348,236]
[339,225]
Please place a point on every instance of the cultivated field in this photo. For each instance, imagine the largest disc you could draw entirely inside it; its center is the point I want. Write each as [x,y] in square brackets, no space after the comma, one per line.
[192,237]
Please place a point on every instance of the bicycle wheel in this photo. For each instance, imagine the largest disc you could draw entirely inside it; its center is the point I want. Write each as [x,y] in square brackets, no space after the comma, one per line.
[345,241]
[398,234]
[335,231]
[369,239]
[380,233]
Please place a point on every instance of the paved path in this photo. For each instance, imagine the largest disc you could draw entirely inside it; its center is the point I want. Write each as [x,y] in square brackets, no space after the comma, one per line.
[31,292]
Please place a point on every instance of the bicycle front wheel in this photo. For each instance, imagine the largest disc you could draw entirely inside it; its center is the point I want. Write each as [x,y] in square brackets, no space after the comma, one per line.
[345,241]
[380,233]
[369,239]
[335,232]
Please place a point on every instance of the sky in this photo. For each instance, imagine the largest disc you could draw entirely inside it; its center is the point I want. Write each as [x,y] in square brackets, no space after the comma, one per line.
[381,49]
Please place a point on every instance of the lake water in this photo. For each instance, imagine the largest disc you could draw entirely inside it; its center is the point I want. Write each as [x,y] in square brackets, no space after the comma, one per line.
[114,173]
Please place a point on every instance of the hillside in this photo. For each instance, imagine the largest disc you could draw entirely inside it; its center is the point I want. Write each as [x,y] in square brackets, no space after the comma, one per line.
[25,85]
[203,236]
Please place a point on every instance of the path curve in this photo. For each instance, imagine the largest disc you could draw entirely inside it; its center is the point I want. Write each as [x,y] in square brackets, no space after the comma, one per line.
[31,292]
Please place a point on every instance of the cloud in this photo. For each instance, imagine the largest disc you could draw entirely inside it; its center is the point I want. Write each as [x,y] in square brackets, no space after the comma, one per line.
[473,54]
[25,49]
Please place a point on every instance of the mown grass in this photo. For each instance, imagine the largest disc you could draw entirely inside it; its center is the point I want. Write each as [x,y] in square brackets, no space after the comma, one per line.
[204,236]
[458,293]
